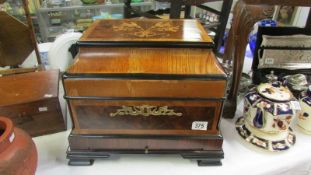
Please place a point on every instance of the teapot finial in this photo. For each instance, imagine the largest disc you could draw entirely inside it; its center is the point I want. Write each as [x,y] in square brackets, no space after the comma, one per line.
[271,77]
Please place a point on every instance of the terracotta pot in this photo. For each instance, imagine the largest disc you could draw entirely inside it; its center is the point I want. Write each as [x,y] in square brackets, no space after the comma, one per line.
[18,154]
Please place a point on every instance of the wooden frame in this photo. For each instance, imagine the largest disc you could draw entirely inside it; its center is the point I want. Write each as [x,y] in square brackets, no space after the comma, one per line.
[285,15]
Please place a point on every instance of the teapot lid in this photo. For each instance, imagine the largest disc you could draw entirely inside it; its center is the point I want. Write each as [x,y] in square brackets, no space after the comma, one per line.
[274,91]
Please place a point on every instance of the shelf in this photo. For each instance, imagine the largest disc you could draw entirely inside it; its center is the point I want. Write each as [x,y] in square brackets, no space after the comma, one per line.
[67,17]
[99,6]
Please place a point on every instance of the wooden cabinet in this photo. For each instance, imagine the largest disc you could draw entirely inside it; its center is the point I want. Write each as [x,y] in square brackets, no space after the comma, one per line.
[145,86]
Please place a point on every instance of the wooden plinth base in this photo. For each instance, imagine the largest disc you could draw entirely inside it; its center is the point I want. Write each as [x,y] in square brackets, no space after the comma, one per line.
[85,148]
[87,157]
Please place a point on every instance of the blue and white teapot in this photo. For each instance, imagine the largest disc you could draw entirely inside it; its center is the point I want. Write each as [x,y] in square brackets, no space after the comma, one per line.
[304,117]
[268,113]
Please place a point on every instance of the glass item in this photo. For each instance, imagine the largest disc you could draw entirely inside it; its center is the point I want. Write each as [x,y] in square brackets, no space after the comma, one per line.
[227,66]
[271,77]
[268,112]
[88,1]
[297,82]
[245,84]
[56,3]
[253,37]
[304,117]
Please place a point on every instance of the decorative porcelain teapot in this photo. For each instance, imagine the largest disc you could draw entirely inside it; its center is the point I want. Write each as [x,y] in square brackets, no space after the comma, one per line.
[304,117]
[268,112]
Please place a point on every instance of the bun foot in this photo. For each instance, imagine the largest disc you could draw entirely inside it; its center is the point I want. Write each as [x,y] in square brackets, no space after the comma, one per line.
[81,162]
[216,162]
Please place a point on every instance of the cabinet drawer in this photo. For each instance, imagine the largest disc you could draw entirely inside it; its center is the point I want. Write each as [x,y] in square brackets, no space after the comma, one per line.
[144,88]
[145,117]
[88,142]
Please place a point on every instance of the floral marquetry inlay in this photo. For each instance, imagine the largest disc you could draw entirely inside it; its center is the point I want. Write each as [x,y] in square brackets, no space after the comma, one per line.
[160,29]
[149,31]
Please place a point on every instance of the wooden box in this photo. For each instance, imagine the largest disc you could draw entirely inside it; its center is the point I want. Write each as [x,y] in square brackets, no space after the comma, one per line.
[145,87]
[30,100]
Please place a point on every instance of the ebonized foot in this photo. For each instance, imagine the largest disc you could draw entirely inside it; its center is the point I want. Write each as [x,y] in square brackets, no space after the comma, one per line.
[81,162]
[87,157]
[84,158]
[206,158]
[212,162]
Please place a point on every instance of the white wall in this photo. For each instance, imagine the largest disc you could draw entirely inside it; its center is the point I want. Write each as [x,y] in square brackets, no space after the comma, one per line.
[301,16]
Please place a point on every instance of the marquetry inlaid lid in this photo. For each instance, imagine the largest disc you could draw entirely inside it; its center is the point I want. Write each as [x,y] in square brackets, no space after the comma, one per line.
[146,48]
[147,31]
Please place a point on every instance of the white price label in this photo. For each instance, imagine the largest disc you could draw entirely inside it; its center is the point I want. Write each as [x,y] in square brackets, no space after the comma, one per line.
[12,137]
[269,61]
[295,105]
[48,95]
[199,125]
[43,109]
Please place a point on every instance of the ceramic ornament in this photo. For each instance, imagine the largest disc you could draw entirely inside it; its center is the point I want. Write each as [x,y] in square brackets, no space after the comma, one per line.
[268,111]
[304,117]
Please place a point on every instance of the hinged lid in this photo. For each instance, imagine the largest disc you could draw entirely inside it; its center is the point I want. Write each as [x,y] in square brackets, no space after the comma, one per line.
[157,49]
[146,33]
[28,87]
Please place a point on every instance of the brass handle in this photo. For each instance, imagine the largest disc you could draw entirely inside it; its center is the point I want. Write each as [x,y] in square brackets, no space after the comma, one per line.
[145,110]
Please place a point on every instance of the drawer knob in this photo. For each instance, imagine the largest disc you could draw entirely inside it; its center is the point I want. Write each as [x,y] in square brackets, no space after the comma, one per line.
[146,150]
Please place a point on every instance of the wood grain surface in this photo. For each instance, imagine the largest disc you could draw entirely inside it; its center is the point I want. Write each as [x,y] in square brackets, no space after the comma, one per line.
[36,118]
[15,41]
[28,87]
[184,61]
[146,30]
[92,117]
[97,87]
[114,71]
[80,143]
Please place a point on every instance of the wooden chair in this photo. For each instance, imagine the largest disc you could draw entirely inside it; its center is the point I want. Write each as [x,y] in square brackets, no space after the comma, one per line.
[246,13]
[17,42]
